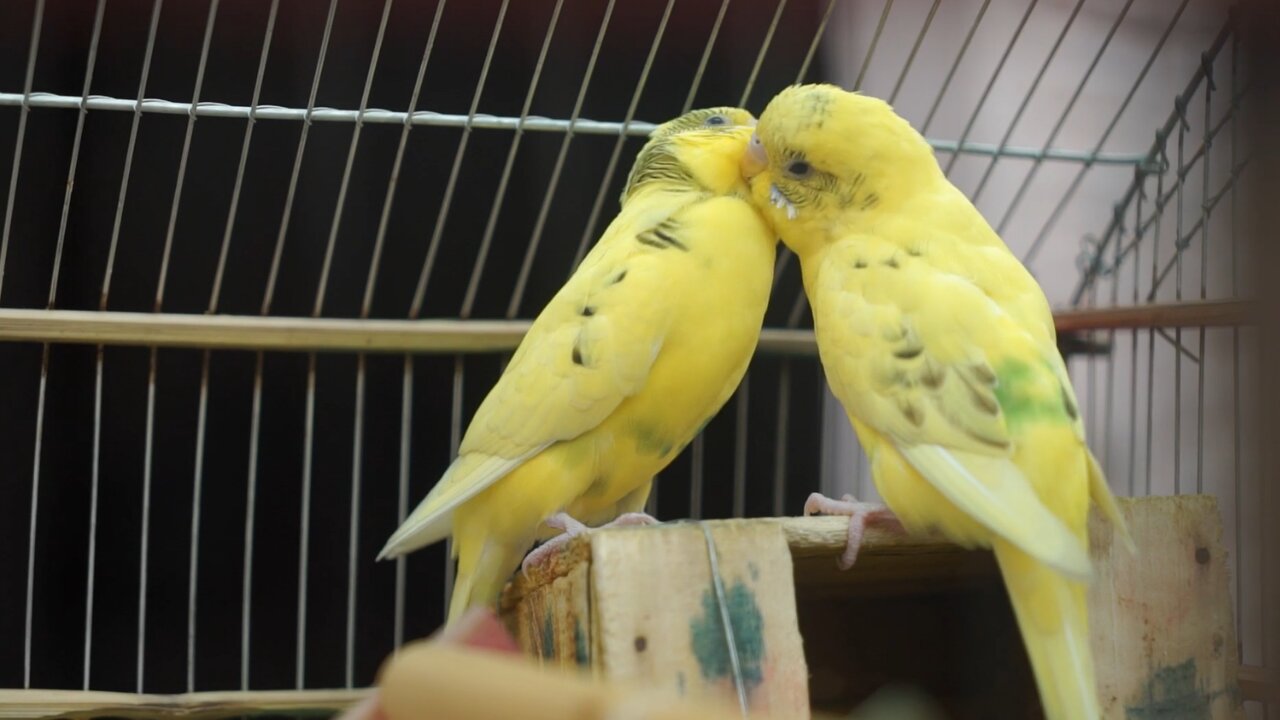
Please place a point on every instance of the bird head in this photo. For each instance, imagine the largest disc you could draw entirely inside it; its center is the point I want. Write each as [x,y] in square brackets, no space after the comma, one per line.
[702,148]
[823,159]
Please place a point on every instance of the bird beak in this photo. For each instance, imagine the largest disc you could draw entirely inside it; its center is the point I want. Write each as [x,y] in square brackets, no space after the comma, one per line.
[755,159]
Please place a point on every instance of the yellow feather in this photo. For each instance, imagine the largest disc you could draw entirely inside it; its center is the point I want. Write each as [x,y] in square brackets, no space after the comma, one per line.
[634,354]
[941,347]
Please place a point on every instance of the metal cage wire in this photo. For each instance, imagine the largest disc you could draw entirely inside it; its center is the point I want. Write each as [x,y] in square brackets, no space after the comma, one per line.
[342,225]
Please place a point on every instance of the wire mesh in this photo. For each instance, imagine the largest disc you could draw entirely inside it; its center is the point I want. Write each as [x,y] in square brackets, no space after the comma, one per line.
[417,159]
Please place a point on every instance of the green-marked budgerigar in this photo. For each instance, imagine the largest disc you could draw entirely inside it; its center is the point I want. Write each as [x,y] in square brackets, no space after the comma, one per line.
[940,345]
[635,353]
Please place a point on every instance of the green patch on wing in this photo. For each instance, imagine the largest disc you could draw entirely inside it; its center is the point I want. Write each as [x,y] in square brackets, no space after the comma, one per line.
[710,645]
[1029,393]
[650,441]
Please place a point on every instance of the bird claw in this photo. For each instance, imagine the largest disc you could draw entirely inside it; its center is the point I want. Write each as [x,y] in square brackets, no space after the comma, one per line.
[572,528]
[860,515]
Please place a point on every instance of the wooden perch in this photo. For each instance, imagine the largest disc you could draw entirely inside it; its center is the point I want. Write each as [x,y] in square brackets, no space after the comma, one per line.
[48,704]
[302,334]
[1187,313]
[631,603]
[450,336]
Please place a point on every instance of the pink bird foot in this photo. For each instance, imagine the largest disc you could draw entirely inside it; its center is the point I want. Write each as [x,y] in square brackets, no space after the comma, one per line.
[572,528]
[860,515]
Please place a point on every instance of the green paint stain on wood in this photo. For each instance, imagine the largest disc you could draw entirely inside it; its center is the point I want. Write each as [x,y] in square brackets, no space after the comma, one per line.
[1173,693]
[581,654]
[706,633]
[548,649]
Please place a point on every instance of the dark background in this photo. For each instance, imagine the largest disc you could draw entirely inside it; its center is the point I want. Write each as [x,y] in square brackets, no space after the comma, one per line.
[66,455]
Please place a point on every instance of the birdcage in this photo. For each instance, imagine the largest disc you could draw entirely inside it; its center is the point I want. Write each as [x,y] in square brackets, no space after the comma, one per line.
[261,260]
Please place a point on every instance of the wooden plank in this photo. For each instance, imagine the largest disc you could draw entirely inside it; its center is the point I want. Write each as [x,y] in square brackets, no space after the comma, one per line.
[1163,636]
[656,614]
[551,615]
[48,704]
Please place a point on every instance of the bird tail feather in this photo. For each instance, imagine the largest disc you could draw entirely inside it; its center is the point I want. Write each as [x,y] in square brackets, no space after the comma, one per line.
[1053,618]
[482,573]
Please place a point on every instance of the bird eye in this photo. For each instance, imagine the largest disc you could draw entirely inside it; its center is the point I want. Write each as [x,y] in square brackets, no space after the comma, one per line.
[799,169]
[716,120]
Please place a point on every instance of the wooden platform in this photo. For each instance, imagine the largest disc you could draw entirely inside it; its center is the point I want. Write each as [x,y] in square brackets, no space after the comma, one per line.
[641,603]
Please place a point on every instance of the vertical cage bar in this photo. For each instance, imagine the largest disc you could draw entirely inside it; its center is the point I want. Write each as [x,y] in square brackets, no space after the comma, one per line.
[740,448]
[181,178]
[991,82]
[353,537]
[94,473]
[144,531]
[696,460]
[36,22]
[1205,210]
[535,238]
[384,220]
[128,161]
[1236,426]
[357,455]
[706,56]
[1138,224]
[955,65]
[428,263]
[915,48]
[1180,179]
[402,487]
[273,274]
[94,477]
[486,239]
[1091,377]
[817,38]
[268,296]
[590,229]
[455,441]
[871,48]
[35,498]
[251,496]
[174,206]
[781,438]
[1026,100]
[1109,396]
[32,53]
[215,295]
[197,492]
[764,50]
[1062,120]
[1070,192]
[1162,142]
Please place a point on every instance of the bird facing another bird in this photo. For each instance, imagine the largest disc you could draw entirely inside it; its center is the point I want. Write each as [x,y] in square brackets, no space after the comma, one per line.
[940,346]
[627,362]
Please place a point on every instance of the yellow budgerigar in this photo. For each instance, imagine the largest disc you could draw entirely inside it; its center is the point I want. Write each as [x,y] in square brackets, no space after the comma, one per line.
[940,345]
[640,348]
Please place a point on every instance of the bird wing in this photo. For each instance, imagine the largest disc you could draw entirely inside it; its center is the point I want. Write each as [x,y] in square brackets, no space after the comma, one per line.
[934,365]
[591,348]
